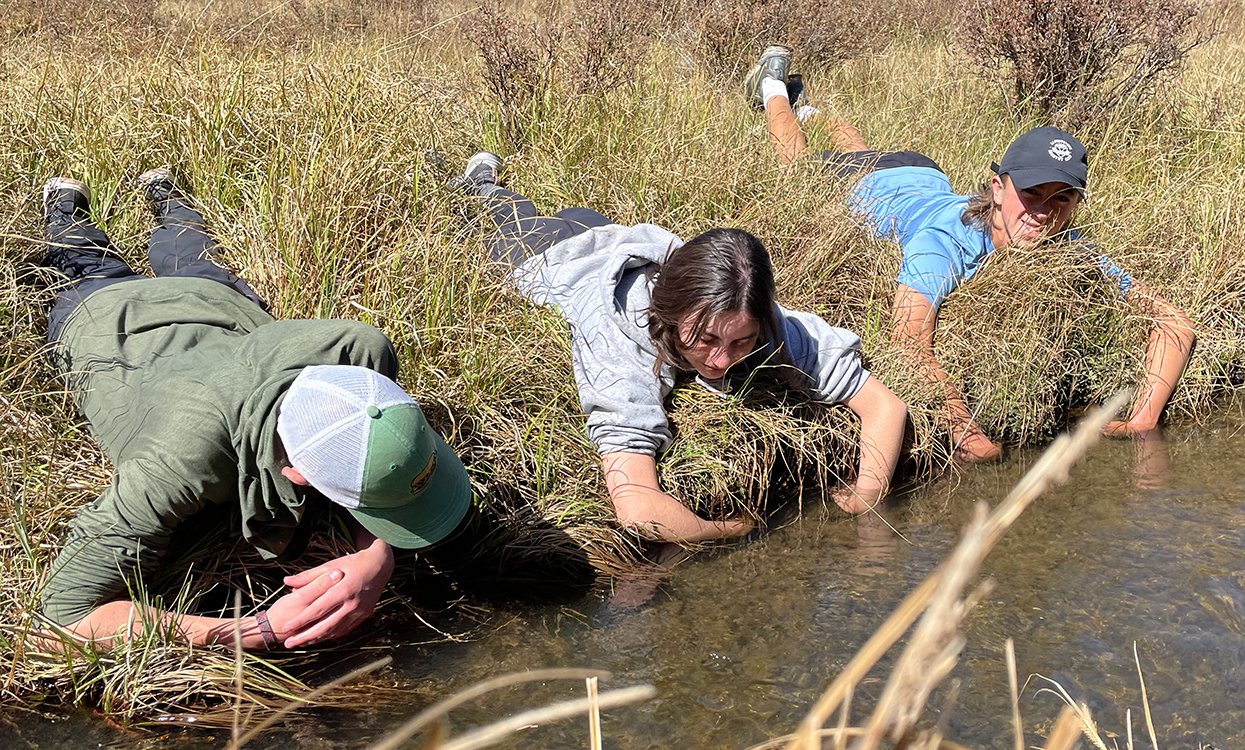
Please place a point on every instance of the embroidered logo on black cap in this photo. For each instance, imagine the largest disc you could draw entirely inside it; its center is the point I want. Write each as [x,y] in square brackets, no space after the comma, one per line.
[421,480]
[1060,150]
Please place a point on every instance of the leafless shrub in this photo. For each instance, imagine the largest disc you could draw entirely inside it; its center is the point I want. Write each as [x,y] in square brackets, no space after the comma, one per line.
[728,34]
[611,39]
[298,24]
[116,23]
[113,24]
[518,61]
[586,49]
[1076,60]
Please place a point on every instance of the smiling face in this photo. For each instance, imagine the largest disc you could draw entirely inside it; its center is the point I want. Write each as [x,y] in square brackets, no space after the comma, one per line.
[1027,216]
[726,339]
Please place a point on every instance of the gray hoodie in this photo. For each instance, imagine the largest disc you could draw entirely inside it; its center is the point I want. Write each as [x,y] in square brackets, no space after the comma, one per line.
[601,282]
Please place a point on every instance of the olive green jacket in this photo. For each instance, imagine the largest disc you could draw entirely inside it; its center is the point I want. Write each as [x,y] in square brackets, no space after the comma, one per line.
[180,380]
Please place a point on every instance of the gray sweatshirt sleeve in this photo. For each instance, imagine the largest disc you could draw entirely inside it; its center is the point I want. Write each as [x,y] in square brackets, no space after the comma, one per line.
[622,397]
[598,281]
[830,356]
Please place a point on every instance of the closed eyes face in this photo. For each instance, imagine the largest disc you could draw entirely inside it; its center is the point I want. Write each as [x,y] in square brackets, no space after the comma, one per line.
[1027,216]
[726,339]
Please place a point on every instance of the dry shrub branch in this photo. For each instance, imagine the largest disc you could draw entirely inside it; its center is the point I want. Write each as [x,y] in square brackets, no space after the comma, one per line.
[552,55]
[727,35]
[1076,61]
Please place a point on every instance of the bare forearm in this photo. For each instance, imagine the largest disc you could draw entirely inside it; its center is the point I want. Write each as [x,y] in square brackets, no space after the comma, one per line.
[118,622]
[640,504]
[1167,354]
[932,372]
[881,439]
[882,419]
[659,517]
[916,322]
[915,326]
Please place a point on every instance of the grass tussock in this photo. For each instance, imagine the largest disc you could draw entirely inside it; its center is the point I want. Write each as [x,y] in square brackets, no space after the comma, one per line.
[318,137]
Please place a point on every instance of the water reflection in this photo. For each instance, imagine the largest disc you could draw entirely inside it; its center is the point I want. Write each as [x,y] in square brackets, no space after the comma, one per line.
[869,554]
[1146,544]
[638,588]
[877,540]
[1152,467]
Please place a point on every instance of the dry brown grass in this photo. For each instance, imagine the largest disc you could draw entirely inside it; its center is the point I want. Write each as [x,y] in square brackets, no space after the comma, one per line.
[309,149]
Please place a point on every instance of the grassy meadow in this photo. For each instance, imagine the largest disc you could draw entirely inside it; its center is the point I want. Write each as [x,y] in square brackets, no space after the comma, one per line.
[318,136]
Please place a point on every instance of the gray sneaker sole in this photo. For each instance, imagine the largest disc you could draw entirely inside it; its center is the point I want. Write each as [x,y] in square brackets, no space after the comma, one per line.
[772,54]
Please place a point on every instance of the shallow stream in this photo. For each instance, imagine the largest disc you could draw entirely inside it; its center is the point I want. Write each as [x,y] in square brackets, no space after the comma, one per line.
[1145,545]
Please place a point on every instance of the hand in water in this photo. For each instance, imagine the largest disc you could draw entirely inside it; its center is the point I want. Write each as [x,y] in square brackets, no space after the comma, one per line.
[849,500]
[1119,429]
[970,445]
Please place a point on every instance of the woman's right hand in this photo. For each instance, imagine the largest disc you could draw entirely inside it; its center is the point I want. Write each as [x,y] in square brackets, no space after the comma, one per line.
[643,507]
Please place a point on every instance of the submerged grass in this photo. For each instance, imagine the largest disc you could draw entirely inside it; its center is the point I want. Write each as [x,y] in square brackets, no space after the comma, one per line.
[318,137]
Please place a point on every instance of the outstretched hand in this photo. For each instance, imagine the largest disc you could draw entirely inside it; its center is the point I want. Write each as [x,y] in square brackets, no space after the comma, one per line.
[1120,429]
[970,445]
[330,600]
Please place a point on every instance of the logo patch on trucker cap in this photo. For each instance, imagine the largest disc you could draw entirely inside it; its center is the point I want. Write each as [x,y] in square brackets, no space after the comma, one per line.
[1060,150]
[421,480]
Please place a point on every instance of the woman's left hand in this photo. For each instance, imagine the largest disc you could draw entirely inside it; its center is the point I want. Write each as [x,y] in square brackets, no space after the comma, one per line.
[1120,429]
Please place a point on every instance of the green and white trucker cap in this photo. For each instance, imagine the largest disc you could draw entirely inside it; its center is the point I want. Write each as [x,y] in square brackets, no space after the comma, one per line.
[364,443]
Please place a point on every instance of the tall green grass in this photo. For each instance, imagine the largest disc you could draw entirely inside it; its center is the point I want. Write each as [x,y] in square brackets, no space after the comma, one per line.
[318,137]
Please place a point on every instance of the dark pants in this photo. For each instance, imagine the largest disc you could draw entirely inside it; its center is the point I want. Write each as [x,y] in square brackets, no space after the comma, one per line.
[523,233]
[179,246]
[849,163]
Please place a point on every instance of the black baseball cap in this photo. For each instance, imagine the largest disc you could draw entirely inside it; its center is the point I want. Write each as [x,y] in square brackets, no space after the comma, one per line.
[1045,154]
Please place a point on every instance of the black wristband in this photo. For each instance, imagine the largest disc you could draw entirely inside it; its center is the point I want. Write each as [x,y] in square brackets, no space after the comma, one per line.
[265,630]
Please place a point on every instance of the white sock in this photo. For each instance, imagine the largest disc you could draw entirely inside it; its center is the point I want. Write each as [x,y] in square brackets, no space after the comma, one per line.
[805,112]
[772,87]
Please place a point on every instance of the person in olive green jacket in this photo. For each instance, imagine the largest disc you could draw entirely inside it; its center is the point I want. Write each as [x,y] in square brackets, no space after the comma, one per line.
[200,398]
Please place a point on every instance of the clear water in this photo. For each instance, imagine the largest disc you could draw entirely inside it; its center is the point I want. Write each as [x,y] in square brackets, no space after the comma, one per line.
[1145,545]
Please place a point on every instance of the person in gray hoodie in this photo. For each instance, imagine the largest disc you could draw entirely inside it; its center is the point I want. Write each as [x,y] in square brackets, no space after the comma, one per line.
[644,307]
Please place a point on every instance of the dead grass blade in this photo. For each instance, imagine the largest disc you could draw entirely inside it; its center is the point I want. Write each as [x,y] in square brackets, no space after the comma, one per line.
[1079,710]
[1013,689]
[1066,732]
[594,715]
[1145,700]
[935,645]
[497,731]
[443,707]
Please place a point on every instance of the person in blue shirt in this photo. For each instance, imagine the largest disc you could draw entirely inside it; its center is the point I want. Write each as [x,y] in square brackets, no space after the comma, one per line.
[946,237]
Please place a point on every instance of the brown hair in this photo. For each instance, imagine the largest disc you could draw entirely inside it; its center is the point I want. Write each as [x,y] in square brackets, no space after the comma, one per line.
[980,208]
[719,271]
